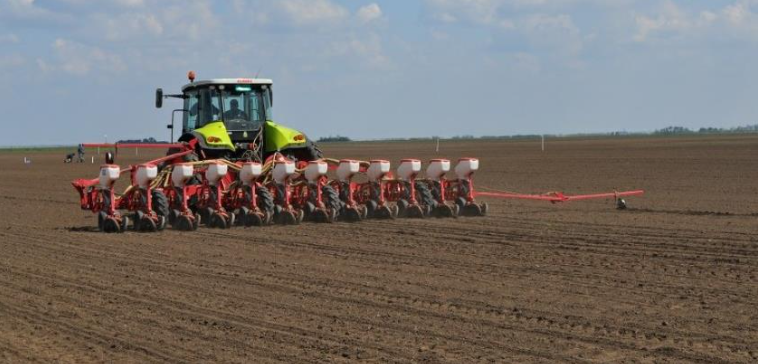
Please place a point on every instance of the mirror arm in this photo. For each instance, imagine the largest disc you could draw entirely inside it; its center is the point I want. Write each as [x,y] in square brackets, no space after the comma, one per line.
[171,126]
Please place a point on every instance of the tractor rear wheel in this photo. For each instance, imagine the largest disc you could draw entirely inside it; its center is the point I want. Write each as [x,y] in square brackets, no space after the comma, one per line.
[265,203]
[304,154]
[191,157]
[331,200]
[424,198]
[160,203]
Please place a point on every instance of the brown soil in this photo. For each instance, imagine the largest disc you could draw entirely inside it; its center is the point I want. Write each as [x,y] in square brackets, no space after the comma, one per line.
[672,279]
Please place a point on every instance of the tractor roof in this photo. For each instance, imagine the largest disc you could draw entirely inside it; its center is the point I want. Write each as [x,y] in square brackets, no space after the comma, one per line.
[229,81]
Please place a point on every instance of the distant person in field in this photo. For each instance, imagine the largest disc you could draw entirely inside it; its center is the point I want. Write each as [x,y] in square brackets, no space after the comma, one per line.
[80,153]
[235,112]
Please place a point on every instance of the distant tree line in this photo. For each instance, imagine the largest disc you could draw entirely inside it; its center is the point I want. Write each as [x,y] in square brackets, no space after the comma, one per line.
[150,140]
[335,138]
[670,130]
[678,130]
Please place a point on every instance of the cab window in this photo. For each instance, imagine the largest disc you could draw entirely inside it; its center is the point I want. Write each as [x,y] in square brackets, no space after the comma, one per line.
[191,115]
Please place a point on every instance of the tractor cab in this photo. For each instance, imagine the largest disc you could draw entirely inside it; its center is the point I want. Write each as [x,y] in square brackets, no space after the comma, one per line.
[232,118]
[242,105]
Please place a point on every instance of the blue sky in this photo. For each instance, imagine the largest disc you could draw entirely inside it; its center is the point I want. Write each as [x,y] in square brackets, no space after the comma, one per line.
[76,70]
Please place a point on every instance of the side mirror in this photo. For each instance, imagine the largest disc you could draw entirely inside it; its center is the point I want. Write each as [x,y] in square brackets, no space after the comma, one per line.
[159,98]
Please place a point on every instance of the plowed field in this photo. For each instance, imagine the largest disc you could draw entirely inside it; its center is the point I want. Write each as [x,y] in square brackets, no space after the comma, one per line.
[672,279]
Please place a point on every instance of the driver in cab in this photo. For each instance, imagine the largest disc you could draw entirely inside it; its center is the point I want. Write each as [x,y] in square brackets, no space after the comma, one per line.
[235,112]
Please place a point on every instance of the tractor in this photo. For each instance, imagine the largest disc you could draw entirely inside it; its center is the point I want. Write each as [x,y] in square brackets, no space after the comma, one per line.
[231,118]
[233,166]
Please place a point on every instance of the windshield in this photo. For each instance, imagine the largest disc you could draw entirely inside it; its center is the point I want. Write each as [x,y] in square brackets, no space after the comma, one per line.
[241,107]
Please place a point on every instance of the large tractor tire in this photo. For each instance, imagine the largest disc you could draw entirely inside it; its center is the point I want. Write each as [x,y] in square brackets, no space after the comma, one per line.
[265,202]
[192,157]
[425,198]
[331,199]
[310,152]
[160,203]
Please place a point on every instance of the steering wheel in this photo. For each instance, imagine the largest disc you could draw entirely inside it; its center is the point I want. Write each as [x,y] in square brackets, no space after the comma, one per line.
[237,124]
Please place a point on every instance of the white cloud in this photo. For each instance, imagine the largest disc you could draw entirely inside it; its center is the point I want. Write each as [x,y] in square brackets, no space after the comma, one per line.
[671,20]
[203,24]
[11,61]
[545,22]
[290,14]
[27,10]
[294,33]
[43,66]
[493,12]
[313,12]
[527,62]
[79,59]
[475,11]
[119,3]
[439,35]
[9,38]
[556,32]
[20,3]
[178,21]
[445,17]
[369,13]
[545,30]
[131,3]
[520,62]
[741,17]
[128,25]
[368,51]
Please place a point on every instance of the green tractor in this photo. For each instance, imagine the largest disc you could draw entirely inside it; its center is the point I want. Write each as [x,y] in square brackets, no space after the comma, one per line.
[230,118]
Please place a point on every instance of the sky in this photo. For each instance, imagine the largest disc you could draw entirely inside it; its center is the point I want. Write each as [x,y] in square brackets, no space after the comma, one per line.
[86,70]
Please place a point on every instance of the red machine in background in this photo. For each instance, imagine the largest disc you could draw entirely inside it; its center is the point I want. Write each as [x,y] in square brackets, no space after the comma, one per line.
[220,193]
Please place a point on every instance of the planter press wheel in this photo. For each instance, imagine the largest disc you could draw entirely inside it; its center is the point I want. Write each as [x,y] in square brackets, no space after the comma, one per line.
[184,223]
[147,224]
[319,215]
[445,210]
[414,211]
[287,217]
[111,225]
[221,221]
[101,216]
[253,219]
[472,210]
[206,213]
[352,214]
[384,212]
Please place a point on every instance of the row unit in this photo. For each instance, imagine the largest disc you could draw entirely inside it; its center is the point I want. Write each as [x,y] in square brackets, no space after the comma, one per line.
[285,169]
